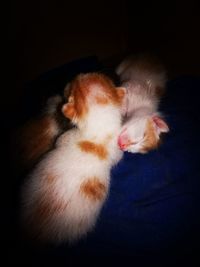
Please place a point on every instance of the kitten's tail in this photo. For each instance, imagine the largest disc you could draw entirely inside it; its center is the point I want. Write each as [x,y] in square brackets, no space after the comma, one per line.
[145,70]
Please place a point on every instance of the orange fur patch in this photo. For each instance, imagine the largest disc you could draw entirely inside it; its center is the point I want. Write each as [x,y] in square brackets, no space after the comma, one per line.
[151,141]
[121,92]
[69,110]
[101,100]
[98,150]
[83,87]
[50,179]
[93,189]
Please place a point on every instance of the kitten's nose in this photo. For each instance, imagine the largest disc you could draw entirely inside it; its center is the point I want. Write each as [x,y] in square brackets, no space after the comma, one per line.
[121,144]
[124,142]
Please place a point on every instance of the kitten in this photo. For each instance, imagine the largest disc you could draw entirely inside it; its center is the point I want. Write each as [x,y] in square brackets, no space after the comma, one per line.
[38,135]
[144,80]
[65,192]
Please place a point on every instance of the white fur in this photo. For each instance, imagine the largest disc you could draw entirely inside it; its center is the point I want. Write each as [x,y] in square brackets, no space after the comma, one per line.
[72,167]
[141,102]
[135,129]
[133,69]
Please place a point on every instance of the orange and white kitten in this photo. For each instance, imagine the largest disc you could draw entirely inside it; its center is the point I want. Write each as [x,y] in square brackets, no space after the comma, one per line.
[64,194]
[37,136]
[144,80]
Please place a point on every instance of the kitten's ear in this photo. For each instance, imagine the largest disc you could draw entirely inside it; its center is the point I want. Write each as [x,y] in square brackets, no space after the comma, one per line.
[160,124]
[68,110]
[121,91]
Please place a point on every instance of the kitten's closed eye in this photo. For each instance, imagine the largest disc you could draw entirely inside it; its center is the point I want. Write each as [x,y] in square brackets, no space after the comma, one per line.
[125,140]
[142,136]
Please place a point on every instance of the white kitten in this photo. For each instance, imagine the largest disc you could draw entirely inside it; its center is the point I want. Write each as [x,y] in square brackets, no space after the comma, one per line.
[64,194]
[144,80]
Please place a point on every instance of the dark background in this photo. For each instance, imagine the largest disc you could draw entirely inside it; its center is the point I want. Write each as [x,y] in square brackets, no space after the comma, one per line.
[43,35]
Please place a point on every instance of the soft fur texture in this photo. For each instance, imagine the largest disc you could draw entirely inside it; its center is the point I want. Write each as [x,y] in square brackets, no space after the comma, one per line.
[63,196]
[38,135]
[144,80]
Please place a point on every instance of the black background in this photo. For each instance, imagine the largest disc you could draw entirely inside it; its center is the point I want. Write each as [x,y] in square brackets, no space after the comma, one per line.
[42,35]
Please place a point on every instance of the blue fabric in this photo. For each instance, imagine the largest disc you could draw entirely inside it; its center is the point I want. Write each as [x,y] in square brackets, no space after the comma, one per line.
[152,212]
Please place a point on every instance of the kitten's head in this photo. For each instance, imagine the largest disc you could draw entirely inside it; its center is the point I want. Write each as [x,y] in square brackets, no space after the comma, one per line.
[142,135]
[87,90]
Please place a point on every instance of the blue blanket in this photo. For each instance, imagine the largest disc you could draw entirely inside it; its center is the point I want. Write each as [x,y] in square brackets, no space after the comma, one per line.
[152,212]
[153,208]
